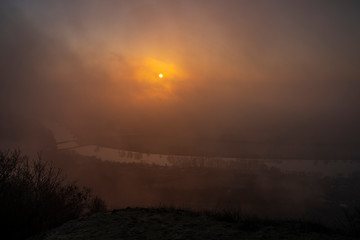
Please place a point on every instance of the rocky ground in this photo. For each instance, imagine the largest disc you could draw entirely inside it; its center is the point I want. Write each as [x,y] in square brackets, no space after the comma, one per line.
[166,223]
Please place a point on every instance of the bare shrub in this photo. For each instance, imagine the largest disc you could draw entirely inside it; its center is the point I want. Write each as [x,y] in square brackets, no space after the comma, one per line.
[34,196]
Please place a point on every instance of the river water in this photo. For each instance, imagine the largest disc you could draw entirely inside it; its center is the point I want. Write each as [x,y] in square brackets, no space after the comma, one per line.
[66,141]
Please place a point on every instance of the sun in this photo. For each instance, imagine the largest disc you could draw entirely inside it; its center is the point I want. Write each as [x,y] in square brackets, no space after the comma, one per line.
[161,75]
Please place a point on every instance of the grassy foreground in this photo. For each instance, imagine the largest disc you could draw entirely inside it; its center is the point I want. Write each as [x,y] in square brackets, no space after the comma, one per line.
[170,223]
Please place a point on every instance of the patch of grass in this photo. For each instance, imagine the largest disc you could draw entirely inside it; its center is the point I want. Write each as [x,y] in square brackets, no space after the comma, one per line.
[247,222]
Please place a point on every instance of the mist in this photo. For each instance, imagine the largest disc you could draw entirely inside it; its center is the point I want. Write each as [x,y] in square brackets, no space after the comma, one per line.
[241,72]
[224,104]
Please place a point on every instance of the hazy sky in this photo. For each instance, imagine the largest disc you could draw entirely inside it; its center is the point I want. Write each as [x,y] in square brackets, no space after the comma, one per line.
[262,70]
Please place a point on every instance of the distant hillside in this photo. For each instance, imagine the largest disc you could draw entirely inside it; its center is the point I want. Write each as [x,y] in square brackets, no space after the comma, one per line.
[226,145]
[27,134]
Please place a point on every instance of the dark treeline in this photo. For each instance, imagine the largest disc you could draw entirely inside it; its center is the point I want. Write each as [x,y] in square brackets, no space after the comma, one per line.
[250,186]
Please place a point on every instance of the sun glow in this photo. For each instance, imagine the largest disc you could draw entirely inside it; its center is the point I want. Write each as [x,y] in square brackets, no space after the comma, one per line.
[156,79]
[150,78]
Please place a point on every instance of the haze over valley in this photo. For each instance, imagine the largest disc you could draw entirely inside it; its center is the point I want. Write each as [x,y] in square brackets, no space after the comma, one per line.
[250,105]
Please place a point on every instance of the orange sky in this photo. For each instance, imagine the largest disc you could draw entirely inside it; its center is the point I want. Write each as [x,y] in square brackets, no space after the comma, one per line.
[236,67]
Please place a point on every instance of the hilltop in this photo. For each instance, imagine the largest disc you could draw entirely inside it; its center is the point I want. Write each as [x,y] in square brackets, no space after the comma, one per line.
[169,223]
